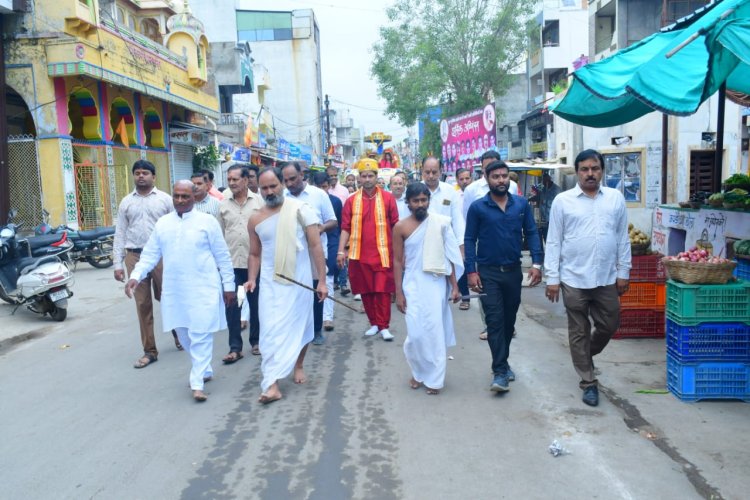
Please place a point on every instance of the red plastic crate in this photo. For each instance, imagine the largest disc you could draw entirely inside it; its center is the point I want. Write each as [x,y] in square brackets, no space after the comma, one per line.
[644,296]
[648,268]
[641,323]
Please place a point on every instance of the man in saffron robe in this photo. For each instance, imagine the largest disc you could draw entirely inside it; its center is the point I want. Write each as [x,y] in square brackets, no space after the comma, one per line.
[367,221]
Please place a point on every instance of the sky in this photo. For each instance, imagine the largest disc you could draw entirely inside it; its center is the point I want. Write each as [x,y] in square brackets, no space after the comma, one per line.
[348,30]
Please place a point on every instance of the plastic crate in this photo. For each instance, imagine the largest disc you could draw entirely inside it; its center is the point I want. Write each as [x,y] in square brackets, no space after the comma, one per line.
[692,304]
[742,271]
[640,323]
[710,380]
[648,268]
[644,296]
[709,341]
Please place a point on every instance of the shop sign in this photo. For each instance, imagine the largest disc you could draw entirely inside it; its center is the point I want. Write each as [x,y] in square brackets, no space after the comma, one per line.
[193,137]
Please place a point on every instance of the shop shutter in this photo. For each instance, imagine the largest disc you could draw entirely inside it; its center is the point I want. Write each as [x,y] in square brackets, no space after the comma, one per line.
[182,162]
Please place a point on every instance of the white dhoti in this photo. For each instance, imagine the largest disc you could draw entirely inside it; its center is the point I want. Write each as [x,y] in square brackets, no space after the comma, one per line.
[285,311]
[328,304]
[200,347]
[429,321]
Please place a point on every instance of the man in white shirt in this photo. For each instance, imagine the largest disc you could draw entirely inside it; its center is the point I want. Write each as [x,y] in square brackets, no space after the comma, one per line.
[444,199]
[398,186]
[588,257]
[193,249]
[296,187]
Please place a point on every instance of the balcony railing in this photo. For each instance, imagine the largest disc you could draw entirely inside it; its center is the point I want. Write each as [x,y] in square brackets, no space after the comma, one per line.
[239,119]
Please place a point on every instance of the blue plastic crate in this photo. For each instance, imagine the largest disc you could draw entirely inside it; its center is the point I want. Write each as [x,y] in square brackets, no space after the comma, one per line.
[708,341]
[742,271]
[710,380]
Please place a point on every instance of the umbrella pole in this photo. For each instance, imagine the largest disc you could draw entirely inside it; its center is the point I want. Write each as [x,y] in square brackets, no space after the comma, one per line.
[718,167]
[664,155]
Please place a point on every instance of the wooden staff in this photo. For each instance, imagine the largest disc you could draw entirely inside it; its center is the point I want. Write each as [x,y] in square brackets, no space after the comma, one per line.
[314,290]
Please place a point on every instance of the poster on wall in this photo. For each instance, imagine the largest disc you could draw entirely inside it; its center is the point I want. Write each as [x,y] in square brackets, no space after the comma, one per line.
[466,137]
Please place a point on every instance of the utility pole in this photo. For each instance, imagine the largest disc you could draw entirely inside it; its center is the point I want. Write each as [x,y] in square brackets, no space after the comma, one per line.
[328,125]
[4,167]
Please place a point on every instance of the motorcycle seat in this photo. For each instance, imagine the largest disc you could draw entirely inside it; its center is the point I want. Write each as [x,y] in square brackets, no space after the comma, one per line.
[44,240]
[94,234]
[28,264]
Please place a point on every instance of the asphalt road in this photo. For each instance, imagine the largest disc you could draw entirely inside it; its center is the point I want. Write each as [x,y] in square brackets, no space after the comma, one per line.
[79,422]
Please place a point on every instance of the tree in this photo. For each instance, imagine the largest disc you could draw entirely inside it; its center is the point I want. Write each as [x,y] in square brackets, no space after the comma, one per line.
[433,49]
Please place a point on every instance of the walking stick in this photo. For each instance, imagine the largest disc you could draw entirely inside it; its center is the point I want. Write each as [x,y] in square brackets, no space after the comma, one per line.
[313,290]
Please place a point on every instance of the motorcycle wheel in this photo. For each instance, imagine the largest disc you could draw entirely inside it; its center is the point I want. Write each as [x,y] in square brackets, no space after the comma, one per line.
[58,314]
[102,262]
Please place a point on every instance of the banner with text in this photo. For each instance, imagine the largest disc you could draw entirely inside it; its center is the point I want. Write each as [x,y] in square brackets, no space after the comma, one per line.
[466,137]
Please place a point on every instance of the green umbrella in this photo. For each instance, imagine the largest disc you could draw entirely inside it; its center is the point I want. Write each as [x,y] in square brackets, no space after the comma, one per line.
[672,71]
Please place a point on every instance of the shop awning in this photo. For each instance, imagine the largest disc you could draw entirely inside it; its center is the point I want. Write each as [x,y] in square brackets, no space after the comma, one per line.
[672,71]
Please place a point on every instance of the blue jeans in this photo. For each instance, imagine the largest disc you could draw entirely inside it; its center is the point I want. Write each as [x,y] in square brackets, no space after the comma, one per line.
[463,286]
[342,276]
[503,288]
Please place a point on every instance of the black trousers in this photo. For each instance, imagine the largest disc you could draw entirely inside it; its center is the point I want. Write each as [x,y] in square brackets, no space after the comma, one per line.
[317,311]
[234,314]
[503,288]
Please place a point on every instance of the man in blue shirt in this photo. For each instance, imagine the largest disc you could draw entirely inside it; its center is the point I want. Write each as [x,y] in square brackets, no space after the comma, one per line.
[495,227]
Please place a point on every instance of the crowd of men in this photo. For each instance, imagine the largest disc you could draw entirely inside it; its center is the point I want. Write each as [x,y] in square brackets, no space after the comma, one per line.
[273,248]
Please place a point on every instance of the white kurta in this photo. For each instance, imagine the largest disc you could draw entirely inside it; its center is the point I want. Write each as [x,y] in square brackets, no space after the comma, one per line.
[192,247]
[429,321]
[286,311]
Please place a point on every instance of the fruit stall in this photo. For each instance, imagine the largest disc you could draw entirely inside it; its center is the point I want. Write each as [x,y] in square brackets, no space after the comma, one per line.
[706,294]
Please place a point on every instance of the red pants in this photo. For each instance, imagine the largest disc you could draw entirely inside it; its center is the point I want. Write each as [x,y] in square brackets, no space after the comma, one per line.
[378,308]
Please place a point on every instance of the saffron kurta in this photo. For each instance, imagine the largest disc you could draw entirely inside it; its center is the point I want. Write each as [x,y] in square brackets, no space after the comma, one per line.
[367,275]
[286,310]
[192,247]
[429,321]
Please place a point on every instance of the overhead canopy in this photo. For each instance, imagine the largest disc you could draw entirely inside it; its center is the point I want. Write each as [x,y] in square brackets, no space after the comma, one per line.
[672,71]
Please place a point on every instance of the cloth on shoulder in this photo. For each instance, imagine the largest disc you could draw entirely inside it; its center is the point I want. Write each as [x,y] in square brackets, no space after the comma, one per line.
[440,248]
[292,212]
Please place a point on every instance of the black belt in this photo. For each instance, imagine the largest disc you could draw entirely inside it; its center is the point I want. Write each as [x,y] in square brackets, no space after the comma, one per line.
[503,269]
[134,250]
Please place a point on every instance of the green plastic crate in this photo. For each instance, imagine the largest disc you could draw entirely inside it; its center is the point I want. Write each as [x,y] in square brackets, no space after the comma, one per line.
[692,304]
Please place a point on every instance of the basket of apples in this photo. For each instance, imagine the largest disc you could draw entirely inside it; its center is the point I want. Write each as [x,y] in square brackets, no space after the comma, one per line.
[698,266]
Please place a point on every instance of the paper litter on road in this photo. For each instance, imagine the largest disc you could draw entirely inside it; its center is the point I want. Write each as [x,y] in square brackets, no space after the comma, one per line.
[556,449]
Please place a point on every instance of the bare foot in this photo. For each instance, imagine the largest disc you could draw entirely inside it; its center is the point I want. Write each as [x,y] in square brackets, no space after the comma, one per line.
[271,395]
[432,392]
[199,396]
[299,376]
[414,384]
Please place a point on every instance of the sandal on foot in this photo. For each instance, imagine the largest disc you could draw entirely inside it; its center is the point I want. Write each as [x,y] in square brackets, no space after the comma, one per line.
[177,342]
[432,392]
[483,336]
[232,357]
[199,396]
[145,360]
[255,351]
[464,306]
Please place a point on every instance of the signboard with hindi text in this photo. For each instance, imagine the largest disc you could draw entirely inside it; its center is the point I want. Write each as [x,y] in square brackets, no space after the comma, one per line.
[466,137]
[678,229]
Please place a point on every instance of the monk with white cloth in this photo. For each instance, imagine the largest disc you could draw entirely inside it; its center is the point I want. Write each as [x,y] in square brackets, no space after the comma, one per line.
[284,241]
[427,263]
[194,293]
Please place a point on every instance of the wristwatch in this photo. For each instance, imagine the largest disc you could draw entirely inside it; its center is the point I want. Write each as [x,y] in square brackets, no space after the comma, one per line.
[538,267]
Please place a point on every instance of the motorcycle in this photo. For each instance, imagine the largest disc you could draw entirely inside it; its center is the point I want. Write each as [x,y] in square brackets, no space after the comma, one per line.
[50,244]
[39,283]
[93,246]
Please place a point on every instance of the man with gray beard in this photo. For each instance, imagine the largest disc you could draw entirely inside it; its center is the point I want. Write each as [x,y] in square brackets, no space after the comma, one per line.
[284,243]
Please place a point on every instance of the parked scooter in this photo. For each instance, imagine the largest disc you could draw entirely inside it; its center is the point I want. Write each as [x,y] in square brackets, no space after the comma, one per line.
[94,246]
[50,244]
[39,283]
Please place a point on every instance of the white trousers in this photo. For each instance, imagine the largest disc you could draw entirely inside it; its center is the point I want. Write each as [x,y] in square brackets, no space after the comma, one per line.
[328,304]
[200,347]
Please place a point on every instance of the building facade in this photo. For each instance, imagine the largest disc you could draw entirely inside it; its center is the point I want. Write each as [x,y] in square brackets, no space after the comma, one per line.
[95,86]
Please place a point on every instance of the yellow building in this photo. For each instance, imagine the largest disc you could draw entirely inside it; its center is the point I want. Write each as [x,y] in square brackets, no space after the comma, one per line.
[93,86]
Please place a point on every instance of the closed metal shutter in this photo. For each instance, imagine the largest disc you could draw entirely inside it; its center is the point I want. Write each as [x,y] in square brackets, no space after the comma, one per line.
[182,162]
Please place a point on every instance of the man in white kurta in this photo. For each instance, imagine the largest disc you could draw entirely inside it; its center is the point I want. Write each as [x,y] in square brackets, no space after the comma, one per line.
[193,291]
[284,243]
[427,263]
